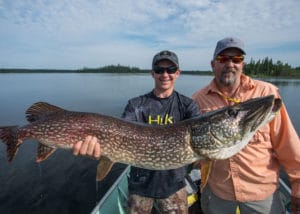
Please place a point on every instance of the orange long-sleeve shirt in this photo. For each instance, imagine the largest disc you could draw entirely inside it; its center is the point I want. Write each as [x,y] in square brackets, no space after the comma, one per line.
[253,173]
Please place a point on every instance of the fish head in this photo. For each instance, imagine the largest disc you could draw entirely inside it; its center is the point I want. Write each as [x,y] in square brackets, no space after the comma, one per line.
[228,130]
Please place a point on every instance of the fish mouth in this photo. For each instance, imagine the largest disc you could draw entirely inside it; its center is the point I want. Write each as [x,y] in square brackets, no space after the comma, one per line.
[276,105]
[263,112]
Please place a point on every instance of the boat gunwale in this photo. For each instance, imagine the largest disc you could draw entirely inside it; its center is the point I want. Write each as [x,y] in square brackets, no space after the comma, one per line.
[111,189]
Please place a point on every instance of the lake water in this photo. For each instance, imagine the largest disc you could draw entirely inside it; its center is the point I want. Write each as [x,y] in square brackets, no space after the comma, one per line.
[65,183]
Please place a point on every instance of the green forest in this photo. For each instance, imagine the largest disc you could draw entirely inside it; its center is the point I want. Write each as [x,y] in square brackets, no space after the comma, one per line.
[260,68]
[266,67]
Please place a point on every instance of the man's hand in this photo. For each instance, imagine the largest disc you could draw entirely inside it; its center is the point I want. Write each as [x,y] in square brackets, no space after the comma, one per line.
[295,206]
[89,147]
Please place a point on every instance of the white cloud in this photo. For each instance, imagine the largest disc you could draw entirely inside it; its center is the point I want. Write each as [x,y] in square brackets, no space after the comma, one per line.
[86,33]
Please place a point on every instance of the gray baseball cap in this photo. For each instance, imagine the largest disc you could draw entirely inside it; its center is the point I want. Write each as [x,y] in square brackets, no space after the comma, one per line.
[229,42]
[168,55]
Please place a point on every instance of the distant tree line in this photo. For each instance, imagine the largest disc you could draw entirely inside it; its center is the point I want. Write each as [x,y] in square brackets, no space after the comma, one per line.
[113,69]
[105,69]
[266,67]
[261,68]
[27,70]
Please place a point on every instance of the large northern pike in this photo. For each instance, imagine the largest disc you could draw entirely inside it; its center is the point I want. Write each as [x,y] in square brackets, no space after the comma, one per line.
[216,135]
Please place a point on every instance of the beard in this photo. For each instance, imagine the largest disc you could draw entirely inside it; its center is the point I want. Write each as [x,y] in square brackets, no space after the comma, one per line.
[228,77]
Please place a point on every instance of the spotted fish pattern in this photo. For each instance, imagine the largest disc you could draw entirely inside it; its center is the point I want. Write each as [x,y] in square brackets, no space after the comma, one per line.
[215,135]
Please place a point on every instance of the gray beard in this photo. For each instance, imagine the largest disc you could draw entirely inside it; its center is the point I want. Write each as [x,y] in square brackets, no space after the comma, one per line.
[228,82]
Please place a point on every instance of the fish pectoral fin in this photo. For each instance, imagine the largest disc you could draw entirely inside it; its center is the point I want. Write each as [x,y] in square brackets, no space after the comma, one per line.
[205,172]
[43,152]
[103,168]
[35,111]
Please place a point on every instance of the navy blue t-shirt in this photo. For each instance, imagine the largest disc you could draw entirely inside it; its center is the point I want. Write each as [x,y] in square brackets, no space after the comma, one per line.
[158,111]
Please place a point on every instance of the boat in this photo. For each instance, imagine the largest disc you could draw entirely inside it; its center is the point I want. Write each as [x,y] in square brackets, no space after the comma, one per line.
[115,199]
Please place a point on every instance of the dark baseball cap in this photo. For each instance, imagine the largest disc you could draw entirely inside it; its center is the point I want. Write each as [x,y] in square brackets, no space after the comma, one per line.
[229,42]
[165,55]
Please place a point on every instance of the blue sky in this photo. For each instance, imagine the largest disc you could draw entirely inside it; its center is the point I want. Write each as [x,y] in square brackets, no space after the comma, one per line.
[73,34]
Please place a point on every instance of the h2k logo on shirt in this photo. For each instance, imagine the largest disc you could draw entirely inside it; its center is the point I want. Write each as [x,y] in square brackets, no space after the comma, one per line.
[159,120]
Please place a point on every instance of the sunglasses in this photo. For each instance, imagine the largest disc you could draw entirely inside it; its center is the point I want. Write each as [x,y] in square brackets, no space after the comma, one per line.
[161,70]
[234,59]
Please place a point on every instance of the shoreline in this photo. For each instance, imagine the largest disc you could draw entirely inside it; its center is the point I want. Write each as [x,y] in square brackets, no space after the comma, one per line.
[49,71]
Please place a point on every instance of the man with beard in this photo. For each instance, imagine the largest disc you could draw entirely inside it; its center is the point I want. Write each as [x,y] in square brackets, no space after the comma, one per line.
[249,180]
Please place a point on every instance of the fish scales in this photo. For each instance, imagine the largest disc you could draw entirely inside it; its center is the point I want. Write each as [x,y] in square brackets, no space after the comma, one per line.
[120,141]
[216,135]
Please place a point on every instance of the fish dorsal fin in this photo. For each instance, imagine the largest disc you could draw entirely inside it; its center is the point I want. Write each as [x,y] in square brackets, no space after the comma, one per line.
[43,152]
[37,110]
[103,168]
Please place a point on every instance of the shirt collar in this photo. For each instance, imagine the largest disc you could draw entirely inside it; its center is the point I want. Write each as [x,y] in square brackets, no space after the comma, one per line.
[247,83]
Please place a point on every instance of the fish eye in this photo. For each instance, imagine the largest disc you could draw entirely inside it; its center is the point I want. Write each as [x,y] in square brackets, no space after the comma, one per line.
[232,112]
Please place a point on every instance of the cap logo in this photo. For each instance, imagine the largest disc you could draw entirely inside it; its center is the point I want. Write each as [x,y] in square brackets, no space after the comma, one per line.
[168,53]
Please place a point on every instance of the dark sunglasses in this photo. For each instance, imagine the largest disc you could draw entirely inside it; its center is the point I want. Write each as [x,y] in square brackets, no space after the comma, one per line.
[234,59]
[161,70]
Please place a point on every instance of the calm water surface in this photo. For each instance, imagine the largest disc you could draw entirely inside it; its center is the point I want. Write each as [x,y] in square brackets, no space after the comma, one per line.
[65,183]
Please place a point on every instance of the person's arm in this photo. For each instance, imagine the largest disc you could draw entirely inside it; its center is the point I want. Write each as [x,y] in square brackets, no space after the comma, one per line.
[286,143]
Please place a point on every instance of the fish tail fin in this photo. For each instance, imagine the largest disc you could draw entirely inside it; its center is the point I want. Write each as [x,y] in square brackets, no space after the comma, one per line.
[8,135]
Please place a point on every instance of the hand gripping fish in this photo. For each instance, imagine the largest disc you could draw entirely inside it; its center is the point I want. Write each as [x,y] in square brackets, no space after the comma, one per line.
[218,134]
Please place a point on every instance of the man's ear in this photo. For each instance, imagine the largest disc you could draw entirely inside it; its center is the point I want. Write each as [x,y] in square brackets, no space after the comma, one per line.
[212,64]
[152,73]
